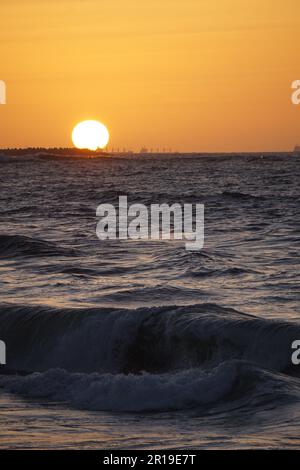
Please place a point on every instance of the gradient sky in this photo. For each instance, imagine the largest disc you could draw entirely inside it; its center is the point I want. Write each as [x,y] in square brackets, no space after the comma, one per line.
[194,75]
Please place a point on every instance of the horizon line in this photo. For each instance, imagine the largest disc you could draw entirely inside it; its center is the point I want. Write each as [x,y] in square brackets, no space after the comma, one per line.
[165,151]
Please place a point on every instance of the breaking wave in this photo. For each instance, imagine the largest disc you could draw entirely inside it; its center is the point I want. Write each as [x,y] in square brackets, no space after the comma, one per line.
[146,359]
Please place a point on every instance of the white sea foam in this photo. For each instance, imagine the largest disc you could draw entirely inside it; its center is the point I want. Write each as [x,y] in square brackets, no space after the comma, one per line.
[119,392]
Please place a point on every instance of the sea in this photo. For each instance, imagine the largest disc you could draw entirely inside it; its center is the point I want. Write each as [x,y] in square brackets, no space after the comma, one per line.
[143,344]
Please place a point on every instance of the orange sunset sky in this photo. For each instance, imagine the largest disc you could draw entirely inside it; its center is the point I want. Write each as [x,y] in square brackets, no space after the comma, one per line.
[194,75]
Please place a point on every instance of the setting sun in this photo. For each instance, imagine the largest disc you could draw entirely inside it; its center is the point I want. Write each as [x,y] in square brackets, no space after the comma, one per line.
[90,135]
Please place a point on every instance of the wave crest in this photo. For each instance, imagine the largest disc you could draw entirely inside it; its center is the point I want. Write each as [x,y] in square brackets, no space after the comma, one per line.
[20,245]
[155,340]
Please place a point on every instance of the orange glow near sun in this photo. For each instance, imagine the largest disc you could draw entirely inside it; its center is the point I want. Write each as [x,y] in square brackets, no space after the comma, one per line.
[90,135]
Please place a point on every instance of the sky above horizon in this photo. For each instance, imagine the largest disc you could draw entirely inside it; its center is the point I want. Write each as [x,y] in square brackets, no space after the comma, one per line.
[191,75]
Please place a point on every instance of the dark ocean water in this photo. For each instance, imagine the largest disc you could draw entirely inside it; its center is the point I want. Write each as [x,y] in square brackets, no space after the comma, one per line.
[143,343]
